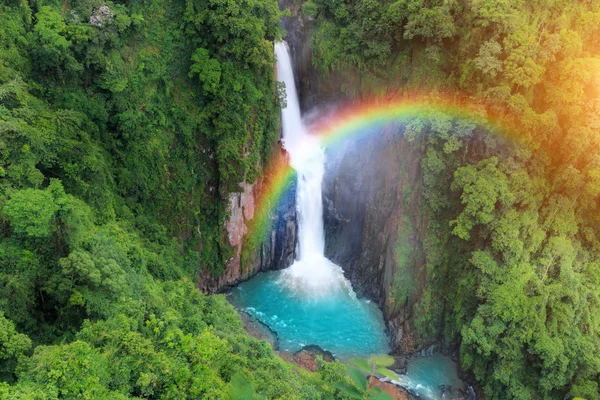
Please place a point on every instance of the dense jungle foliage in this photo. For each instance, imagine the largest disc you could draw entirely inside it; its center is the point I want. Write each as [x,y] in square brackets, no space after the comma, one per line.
[123,125]
[513,241]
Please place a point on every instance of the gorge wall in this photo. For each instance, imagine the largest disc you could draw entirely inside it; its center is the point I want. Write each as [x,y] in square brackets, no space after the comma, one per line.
[375,224]
[273,249]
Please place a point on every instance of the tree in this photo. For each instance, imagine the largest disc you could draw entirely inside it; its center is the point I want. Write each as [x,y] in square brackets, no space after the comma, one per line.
[32,212]
[13,347]
[208,70]
[483,187]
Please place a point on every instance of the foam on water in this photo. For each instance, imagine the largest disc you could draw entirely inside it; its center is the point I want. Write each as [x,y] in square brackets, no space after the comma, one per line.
[315,276]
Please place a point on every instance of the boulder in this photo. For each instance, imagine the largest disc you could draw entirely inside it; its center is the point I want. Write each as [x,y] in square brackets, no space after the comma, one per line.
[306,357]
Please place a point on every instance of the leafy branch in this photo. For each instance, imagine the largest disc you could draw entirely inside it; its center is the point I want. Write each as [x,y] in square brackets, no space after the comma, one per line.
[359,371]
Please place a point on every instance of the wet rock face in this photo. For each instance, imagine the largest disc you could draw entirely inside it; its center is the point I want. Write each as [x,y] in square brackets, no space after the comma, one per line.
[276,246]
[282,246]
[374,227]
[400,365]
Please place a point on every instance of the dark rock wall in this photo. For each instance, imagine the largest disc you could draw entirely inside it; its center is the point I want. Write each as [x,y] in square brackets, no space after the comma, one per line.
[374,223]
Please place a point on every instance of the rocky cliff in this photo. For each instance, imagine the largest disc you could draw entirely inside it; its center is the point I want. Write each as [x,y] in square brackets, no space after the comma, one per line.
[375,224]
[274,248]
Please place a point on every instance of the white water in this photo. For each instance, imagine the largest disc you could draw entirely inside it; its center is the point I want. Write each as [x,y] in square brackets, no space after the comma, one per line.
[311,272]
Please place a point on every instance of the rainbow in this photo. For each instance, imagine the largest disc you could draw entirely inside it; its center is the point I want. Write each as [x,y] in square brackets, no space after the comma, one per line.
[354,120]
[277,180]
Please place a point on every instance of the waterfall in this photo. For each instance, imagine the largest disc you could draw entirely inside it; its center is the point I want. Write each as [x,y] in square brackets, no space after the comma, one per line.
[307,158]
[311,272]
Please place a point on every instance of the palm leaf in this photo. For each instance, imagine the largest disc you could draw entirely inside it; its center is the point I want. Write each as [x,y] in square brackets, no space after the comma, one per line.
[387,373]
[362,364]
[382,360]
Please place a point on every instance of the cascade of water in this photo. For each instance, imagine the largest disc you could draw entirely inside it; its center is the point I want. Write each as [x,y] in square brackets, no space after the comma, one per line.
[307,158]
[311,272]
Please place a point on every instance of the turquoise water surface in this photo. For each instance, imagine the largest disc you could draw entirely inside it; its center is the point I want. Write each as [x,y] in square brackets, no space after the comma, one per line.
[337,321]
[425,375]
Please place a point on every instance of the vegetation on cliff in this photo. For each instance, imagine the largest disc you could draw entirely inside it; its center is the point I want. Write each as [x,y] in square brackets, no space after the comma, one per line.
[513,242]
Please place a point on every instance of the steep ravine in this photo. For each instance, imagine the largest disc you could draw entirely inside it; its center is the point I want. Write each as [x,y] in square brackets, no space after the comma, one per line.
[372,194]
[374,219]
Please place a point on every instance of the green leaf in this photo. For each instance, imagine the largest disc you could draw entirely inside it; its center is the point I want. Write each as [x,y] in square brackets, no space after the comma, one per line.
[358,377]
[387,373]
[362,364]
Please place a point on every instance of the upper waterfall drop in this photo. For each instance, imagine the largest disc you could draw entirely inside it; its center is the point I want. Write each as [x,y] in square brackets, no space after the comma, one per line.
[311,272]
